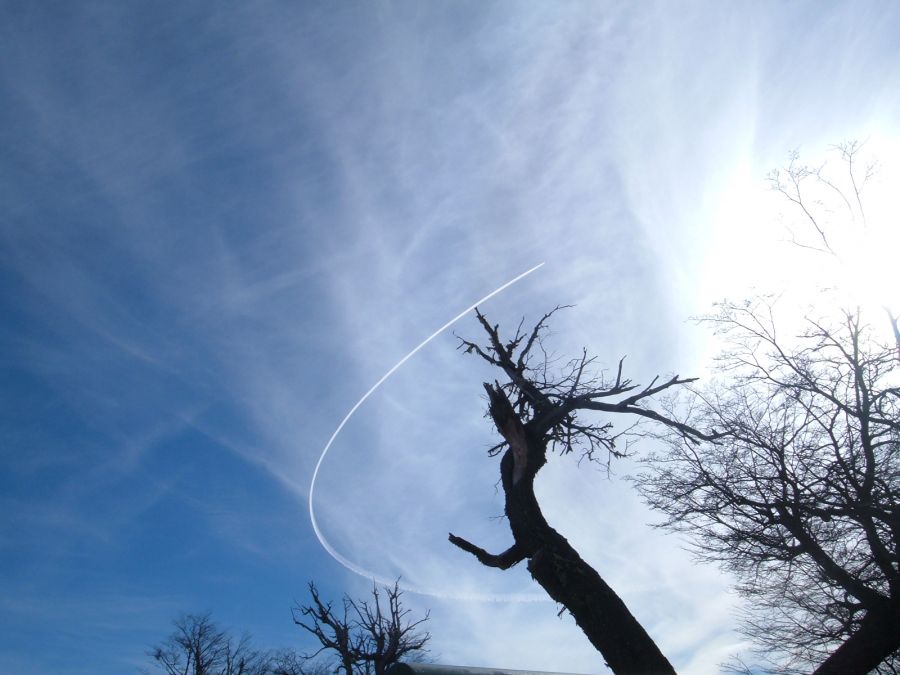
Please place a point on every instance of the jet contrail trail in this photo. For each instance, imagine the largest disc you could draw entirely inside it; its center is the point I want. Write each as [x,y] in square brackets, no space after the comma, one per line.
[350,565]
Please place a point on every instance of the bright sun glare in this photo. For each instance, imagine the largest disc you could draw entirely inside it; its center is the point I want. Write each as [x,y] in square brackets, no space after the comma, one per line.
[765,242]
[867,256]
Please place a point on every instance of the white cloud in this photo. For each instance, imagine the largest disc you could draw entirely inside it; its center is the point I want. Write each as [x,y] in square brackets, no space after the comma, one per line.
[419,158]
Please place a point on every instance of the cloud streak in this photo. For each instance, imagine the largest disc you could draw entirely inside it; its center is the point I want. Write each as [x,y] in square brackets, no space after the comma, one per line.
[356,569]
[220,224]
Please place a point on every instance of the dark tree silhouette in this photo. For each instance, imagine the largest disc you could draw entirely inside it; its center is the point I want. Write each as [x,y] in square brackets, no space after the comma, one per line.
[537,410]
[199,647]
[799,494]
[365,636]
[289,662]
[787,472]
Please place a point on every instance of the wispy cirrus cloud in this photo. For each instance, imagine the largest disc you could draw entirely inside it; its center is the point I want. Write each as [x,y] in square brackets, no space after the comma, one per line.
[223,226]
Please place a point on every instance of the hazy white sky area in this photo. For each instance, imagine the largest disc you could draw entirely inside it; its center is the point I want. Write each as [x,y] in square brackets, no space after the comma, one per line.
[223,222]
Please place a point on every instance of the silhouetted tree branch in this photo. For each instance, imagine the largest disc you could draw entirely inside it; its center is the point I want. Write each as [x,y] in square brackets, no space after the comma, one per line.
[538,409]
[800,494]
[806,186]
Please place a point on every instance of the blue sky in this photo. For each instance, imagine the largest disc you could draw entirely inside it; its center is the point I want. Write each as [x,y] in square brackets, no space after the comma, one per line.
[223,222]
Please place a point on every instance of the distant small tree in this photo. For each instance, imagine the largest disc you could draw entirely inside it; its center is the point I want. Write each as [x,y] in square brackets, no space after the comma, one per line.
[365,636]
[289,662]
[199,647]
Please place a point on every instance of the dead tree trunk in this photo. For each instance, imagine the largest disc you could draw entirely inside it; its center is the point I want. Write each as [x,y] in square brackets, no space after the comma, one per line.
[554,564]
[536,412]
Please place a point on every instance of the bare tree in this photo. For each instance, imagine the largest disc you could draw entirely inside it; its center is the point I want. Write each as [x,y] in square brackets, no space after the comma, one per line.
[365,636]
[799,493]
[539,409]
[199,647]
[289,662]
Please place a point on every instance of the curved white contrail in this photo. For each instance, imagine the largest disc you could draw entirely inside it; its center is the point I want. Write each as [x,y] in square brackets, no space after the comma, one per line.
[350,565]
